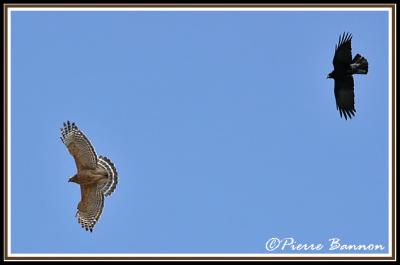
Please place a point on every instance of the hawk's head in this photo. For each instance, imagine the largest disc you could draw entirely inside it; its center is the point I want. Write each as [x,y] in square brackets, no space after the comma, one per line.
[73,179]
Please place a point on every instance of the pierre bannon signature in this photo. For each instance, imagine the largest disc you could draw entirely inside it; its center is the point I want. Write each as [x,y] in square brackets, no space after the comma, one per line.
[332,244]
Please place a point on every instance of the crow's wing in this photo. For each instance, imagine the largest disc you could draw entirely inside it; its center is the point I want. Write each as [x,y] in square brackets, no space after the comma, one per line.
[344,94]
[342,58]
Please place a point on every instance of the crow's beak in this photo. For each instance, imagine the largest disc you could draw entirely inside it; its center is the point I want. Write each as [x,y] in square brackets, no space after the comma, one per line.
[69,180]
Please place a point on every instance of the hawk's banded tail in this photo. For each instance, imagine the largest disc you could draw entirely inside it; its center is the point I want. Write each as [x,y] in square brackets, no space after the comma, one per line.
[112,181]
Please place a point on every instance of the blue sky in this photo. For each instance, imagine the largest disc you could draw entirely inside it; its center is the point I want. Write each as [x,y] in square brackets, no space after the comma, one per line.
[222,126]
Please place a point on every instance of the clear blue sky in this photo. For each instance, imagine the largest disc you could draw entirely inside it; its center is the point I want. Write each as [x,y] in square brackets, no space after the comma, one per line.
[222,126]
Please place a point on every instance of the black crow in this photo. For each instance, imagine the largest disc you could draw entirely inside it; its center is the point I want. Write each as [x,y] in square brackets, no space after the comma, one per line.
[344,68]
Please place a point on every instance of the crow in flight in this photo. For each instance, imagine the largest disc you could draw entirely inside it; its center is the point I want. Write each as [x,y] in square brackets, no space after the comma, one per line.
[344,68]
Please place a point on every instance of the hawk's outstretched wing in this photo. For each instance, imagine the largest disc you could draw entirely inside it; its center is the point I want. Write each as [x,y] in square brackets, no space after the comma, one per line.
[79,146]
[91,206]
[92,196]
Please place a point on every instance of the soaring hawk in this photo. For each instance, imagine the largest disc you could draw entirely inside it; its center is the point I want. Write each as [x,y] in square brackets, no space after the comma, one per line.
[96,175]
[344,68]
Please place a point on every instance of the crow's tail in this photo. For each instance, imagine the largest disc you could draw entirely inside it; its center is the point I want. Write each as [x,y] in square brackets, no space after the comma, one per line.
[359,65]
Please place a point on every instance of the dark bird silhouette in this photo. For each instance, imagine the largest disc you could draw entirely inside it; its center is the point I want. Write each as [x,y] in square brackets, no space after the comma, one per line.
[344,68]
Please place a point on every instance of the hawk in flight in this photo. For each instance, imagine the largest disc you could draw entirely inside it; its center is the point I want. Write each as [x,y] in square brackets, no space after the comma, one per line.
[344,68]
[96,175]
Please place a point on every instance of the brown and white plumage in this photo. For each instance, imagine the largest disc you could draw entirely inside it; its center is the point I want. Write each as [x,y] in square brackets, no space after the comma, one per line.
[97,175]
